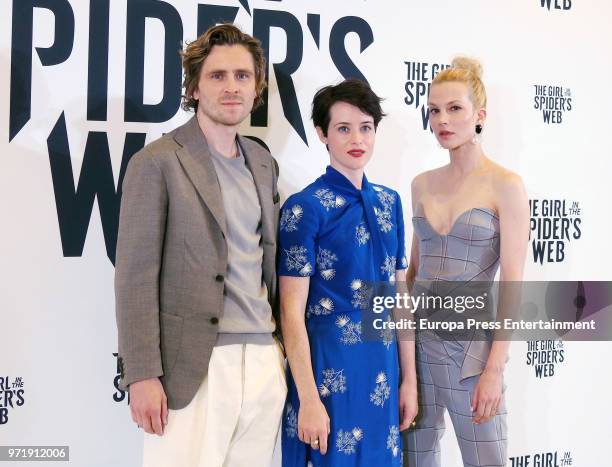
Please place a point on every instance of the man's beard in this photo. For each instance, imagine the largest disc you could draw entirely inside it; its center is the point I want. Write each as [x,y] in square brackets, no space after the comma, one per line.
[219,117]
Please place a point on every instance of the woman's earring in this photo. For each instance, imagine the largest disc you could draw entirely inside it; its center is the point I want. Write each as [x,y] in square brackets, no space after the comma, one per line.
[475,138]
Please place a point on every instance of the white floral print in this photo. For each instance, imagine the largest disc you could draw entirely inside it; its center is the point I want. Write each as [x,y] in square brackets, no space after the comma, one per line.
[386,334]
[351,332]
[324,307]
[296,259]
[290,218]
[333,382]
[346,441]
[383,216]
[329,200]
[361,294]
[382,390]
[361,233]
[388,267]
[291,423]
[325,262]
[393,440]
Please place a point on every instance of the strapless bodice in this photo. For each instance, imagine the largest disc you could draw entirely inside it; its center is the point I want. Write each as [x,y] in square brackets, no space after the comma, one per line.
[469,252]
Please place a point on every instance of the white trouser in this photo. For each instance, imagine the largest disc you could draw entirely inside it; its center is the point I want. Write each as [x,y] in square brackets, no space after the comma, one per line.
[234,418]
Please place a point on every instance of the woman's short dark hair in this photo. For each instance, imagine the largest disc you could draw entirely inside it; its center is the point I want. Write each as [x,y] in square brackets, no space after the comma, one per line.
[351,91]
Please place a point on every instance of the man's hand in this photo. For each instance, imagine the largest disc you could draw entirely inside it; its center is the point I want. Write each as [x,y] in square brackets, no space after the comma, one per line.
[149,405]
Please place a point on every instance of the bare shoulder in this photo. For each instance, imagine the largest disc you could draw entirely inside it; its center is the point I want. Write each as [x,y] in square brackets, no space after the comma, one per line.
[422,182]
[417,188]
[507,180]
[417,183]
[508,186]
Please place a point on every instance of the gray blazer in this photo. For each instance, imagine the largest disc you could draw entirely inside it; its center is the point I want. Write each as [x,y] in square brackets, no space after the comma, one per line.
[172,258]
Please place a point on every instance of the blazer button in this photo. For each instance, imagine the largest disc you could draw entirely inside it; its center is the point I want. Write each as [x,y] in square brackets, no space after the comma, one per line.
[214,320]
[219,278]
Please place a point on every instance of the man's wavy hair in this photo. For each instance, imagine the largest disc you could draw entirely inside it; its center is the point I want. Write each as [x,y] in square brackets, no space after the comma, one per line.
[196,52]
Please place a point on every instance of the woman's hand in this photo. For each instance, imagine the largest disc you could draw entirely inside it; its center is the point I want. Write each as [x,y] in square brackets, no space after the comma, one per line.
[487,396]
[313,424]
[408,404]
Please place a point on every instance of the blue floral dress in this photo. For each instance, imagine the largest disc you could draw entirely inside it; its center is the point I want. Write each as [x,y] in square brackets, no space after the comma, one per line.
[343,238]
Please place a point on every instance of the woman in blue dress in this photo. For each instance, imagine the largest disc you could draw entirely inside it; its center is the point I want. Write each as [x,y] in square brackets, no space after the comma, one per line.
[346,402]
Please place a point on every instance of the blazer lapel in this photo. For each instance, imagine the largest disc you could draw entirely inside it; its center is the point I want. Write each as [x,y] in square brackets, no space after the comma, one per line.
[196,160]
[262,175]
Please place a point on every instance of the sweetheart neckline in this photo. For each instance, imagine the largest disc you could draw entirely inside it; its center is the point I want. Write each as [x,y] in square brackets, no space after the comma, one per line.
[454,224]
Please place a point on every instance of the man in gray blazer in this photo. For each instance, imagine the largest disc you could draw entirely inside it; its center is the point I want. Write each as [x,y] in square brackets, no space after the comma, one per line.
[195,277]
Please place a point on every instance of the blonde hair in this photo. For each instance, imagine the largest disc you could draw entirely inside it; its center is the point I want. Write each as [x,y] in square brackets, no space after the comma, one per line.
[469,71]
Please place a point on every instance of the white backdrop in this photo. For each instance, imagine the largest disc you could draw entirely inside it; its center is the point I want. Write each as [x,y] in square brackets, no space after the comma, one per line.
[58,332]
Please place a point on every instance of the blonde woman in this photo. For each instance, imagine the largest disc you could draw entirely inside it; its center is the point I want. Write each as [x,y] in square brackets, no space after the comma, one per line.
[471,218]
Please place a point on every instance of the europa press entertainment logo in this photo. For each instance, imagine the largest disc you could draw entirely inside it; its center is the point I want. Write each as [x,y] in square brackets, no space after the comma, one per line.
[418,82]
[553,101]
[11,395]
[554,224]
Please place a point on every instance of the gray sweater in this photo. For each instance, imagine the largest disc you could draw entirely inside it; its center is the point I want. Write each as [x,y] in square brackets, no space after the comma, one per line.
[247,316]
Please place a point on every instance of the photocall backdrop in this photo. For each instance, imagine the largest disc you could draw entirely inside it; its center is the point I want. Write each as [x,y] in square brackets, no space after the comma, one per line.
[85,84]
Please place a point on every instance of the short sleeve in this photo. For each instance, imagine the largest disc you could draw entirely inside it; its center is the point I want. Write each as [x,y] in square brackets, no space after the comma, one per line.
[298,230]
[402,262]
